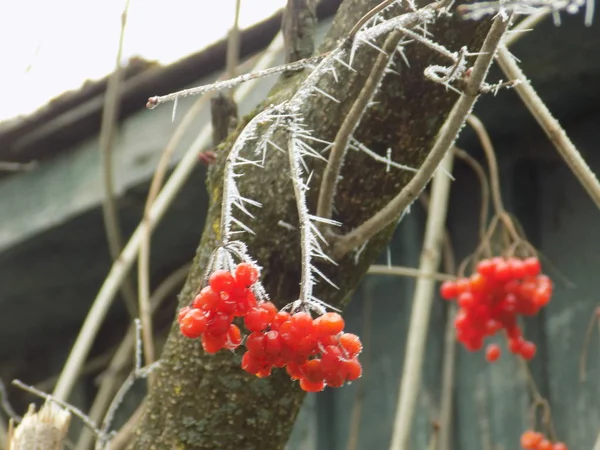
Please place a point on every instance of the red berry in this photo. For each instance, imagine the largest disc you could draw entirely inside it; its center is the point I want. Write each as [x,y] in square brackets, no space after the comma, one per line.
[329,324]
[213,343]
[293,370]
[532,266]
[280,318]
[503,271]
[234,337]
[351,369]
[528,350]
[255,343]
[559,446]
[246,274]
[182,312]
[486,268]
[221,281]
[312,370]
[530,440]
[545,444]
[448,290]
[492,353]
[351,344]
[193,324]
[331,360]
[302,324]
[207,299]
[311,387]
[272,343]
[218,323]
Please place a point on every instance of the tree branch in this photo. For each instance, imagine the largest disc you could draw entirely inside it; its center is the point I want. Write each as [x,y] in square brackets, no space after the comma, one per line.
[446,138]
[340,145]
[550,125]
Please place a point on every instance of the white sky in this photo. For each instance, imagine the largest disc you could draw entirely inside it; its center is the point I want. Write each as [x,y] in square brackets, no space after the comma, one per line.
[51,46]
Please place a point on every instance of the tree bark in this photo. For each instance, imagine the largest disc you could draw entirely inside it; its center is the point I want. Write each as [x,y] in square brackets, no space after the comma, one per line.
[205,401]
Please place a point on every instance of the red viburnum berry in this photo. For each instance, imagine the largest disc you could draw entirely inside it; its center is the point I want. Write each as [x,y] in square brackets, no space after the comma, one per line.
[221,281]
[531,439]
[329,323]
[193,324]
[492,353]
[246,274]
[350,344]
[448,290]
[545,444]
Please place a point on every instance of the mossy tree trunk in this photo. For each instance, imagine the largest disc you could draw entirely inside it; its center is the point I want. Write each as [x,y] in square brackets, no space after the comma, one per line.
[204,401]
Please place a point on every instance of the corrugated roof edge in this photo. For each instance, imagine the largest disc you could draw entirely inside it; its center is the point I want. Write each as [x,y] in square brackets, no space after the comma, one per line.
[76,114]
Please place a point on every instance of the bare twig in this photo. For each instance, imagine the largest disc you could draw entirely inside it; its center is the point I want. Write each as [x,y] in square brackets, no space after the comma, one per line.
[70,408]
[351,121]
[550,125]
[456,119]
[488,148]
[589,333]
[108,127]
[233,44]
[122,265]
[368,16]
[421,308]
[376,269]
[228,84]
[126,432]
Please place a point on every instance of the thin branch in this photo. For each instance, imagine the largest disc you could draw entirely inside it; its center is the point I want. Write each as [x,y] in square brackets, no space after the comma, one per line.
[376,269]
[456,119]
[153,102]
[144,250]
[233,44]
[108,127]
[332,171]
[490,154]
[70,408]
[550,125]
[368,16]
[421,309]
[121,266]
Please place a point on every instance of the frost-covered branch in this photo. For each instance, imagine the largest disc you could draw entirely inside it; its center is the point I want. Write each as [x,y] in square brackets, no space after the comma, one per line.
[153,102]
[448,133]
[478,10]
[344,134]
[310,237]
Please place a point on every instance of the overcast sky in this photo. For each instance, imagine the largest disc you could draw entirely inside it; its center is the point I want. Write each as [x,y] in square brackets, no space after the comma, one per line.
[48,47]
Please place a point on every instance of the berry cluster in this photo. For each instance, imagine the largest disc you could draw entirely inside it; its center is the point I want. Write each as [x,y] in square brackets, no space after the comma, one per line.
[211,314]
[315,351]
[493,297]
[532,440]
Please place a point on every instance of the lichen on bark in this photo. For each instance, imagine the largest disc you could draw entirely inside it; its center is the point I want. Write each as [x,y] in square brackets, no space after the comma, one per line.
[204,401]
